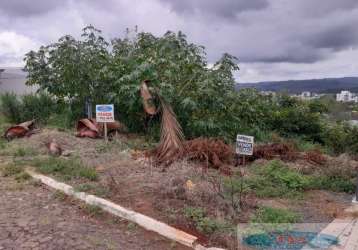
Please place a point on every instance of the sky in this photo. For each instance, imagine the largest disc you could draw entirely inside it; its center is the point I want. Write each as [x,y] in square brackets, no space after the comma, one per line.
[272,39]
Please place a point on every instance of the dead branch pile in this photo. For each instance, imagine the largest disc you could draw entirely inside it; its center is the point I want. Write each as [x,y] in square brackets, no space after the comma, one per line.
[284,151]
[20,130]
[315,156]
[213,152]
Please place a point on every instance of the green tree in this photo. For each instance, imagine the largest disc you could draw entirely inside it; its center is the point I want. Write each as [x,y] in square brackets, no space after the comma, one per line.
[70,68]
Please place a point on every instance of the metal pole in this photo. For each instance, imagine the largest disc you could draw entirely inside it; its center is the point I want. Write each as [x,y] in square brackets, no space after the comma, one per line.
[105,132]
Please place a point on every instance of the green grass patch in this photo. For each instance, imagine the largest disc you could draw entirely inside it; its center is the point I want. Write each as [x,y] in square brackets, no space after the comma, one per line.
[275,215]
[277,180]
[65,168]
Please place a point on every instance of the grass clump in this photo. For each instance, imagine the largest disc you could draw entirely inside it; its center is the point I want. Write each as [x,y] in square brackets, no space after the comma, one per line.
[275,215]
[67,169]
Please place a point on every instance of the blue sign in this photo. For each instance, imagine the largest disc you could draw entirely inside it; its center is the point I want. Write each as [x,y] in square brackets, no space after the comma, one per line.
[104,108]
[290,240]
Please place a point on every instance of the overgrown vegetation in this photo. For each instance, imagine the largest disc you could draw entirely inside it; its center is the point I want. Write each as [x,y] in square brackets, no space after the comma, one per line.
[275,179]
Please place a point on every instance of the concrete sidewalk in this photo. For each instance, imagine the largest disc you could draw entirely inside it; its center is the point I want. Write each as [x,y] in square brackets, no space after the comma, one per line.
[345,229]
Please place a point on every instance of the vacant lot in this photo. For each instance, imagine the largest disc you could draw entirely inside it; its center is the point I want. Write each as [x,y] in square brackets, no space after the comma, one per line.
[182,195]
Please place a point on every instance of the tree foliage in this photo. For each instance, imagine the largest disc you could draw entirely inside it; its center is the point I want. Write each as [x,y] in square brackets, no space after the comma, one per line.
[202,96]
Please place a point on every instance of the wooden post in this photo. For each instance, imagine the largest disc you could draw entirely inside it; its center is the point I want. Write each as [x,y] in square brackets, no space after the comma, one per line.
[105,132]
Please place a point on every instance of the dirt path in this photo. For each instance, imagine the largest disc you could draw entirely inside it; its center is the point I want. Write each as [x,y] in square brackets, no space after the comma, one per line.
[31,217]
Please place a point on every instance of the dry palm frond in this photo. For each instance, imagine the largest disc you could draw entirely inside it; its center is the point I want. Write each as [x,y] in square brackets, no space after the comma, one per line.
[171,136]
[147,98]
[20,130]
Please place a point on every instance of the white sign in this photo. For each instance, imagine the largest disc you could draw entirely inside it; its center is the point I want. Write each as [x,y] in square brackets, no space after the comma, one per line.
[105,113]
[244,145]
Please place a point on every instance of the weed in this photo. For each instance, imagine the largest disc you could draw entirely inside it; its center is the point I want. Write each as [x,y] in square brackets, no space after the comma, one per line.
[201,221]
[22,176]
[93,188]
[92,210]
[59,195]
[35,183]
[10,170]
[131,226]
[65,168]
[173,245]
[3,143]
[275,215]
[231,189]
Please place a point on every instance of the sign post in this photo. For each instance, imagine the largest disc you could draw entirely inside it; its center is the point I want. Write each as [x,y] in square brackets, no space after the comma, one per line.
[355,200]
[104,114]
[244,146]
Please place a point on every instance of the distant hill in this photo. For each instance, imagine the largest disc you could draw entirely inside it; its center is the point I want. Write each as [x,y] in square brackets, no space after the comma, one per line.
[326,85]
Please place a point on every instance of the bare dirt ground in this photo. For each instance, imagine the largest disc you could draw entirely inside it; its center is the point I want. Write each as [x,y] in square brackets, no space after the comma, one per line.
[31,217]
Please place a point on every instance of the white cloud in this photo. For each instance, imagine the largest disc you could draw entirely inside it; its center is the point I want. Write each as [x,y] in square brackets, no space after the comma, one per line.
[13,47]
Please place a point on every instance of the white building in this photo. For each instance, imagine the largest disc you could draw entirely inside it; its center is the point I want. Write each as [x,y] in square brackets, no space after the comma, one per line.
[307,95]
[346,96]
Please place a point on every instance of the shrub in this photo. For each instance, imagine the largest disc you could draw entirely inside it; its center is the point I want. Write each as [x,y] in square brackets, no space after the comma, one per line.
[336,137]
[11,107]
[27,107]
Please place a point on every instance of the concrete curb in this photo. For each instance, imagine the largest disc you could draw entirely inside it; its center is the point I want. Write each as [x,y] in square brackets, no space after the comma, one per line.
[140,219]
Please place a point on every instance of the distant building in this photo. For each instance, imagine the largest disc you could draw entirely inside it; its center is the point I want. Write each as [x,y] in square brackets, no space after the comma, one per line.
[346,96]
[307,95]
[267,93]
